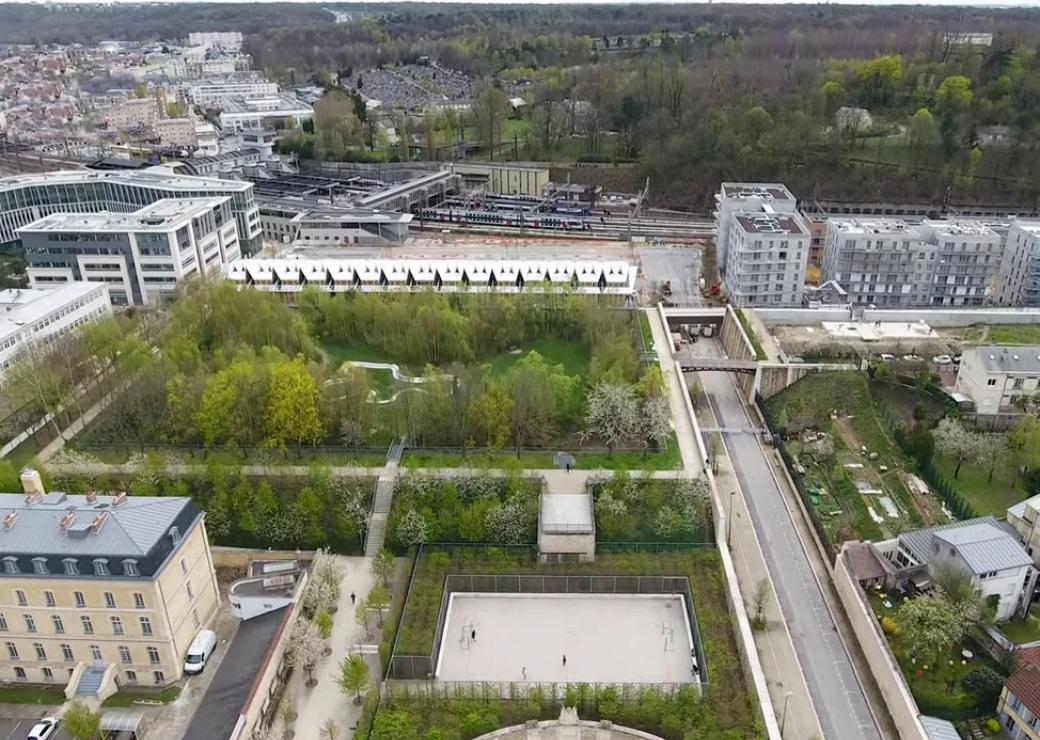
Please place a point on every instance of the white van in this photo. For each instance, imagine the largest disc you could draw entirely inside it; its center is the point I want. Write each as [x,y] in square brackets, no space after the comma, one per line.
[201,648]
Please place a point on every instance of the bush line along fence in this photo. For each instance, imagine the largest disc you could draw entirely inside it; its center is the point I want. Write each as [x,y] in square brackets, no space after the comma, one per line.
[752,335]
[799,483]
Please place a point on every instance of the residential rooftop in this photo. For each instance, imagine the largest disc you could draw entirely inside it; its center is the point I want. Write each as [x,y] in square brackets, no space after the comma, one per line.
[770,223]
[759,190]
[1011,360]
[983,543]
[869,225]
[961,227]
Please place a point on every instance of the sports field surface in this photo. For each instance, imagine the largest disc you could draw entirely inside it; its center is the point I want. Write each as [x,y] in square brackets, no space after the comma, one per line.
[607,638]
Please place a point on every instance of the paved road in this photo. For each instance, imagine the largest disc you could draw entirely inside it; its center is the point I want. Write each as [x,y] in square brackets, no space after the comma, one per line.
[839,699]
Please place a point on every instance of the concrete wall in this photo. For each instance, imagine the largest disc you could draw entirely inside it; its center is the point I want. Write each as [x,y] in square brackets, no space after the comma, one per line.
[239,557]
[898,699]
[737,346]
[582,545]
[932,317]
[773,378]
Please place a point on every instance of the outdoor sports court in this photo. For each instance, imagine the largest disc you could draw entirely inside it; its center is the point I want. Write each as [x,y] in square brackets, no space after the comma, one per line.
[607,638]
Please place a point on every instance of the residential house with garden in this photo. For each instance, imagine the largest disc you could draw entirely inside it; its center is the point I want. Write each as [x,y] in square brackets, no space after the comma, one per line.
[983,549]
[1019,706]
[997,379]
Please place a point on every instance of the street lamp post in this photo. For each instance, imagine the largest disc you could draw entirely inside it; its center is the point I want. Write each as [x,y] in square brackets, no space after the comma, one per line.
[729,517]
[783,715]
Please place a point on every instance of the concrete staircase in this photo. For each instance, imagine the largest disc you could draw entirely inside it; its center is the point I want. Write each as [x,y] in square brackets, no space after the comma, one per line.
[383,499]
[90,682]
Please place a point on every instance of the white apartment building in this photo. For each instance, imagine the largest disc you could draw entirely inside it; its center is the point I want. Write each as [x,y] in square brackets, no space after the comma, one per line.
[766,257]
[213,93]
[207,140]
[30,316]
[996,378]
[889,263]
[133,113]
[216,39]
[140,256]
[176,132]
[268,112]
[746,197]
[1019,282]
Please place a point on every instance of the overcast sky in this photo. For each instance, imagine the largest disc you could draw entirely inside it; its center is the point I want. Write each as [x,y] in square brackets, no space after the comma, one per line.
[976,3]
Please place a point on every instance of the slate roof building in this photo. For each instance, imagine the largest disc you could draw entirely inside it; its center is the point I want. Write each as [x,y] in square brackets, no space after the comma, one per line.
[101,591]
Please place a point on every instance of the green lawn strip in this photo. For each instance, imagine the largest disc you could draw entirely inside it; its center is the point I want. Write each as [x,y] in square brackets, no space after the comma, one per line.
[1014,334]
[1022,632]
[644,329]
[727,697]
[986,497]
[43,695]
[573,355]
[127,698]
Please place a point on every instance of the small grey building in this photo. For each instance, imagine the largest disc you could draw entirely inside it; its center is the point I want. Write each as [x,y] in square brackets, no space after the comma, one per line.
[566,528]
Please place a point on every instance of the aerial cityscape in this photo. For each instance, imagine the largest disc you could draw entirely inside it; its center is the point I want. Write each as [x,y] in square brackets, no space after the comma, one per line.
[435,371]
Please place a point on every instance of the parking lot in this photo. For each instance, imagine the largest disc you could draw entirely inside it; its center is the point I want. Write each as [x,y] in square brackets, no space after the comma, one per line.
[17,729]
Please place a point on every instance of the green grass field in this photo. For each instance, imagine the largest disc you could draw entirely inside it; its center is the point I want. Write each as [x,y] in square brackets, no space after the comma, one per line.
[1014,334]
[668,460]
[572,355]
[986,496]
[1022,632]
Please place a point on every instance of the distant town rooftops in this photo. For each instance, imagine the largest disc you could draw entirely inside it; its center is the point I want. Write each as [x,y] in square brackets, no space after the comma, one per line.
[162,215]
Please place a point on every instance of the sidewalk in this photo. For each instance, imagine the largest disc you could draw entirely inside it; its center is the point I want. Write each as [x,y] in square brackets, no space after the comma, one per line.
[326,700]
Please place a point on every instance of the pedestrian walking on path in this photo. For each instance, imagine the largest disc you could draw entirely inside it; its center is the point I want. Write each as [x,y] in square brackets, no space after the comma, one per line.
[524,671]
[353,598]
[564,661]
[473,635]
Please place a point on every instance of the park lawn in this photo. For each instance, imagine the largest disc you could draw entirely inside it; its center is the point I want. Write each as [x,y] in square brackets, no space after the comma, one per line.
[669,459]
[986,497]
[42,695]
[645,330]
[574,356]
[1022,632]
[1014,334]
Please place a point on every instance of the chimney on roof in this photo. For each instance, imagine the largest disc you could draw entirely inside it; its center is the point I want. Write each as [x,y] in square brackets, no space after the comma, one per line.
[119,499]
[32,483]
[98,521]
[66,521]
[10,519]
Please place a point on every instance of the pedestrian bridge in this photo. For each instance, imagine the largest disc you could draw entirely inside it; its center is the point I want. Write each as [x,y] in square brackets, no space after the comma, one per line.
[691,364]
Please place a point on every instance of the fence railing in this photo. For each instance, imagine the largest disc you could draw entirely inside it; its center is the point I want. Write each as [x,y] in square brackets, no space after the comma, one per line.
[423,667]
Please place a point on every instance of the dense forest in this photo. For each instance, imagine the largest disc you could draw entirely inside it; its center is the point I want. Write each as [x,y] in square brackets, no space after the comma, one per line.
[686,95]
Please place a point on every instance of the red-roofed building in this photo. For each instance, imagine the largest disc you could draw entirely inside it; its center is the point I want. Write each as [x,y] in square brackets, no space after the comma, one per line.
[1019,705]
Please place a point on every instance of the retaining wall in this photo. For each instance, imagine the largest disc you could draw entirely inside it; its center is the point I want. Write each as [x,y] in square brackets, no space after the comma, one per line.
[898,699]
[950,317]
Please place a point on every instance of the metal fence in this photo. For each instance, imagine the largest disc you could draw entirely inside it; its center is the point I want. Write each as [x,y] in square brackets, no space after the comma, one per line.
[422,667]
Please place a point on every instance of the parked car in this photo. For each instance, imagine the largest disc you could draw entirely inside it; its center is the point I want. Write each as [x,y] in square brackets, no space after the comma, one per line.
[911,358]
[956,359]
[201,648]
[886,357]
[942,360]
[43,729]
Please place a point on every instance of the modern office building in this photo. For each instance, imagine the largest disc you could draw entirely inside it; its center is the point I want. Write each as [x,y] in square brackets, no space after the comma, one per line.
[287,221]
[263,112]
[101,590]
[38,317]
[892,264]
[28,198]
[1019,281]
[996,378]
[213,93]
[140,256]
[766,258]
[768,198]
